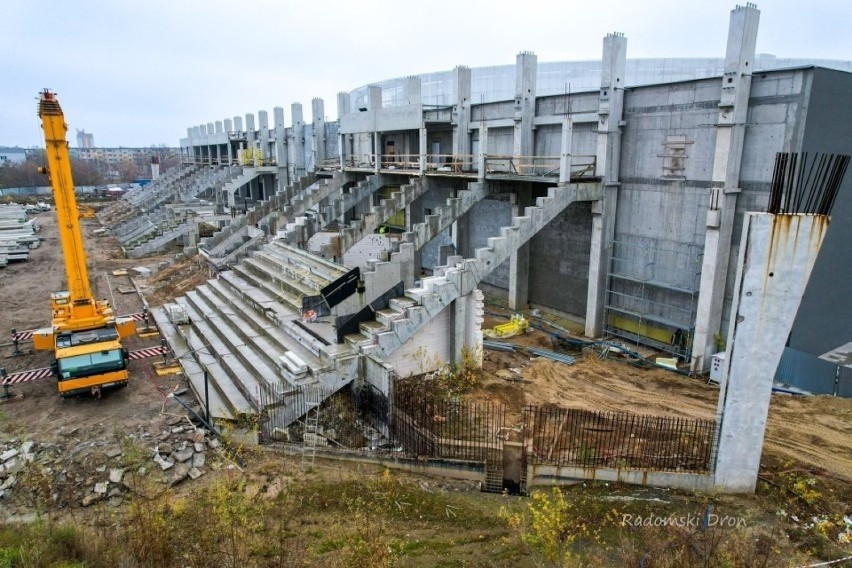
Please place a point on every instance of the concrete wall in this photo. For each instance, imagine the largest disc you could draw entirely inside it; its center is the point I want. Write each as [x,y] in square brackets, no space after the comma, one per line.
[486,218]
[430,256]
[666,207]
[824,320]
[559,261]
[427,349]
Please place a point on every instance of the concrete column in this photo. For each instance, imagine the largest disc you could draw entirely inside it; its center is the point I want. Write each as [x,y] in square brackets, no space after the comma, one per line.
[458,321]
[413,90]
[263,134]
[607,158]
[525,75]
[374,100]
[318,122]
[727,160]
[565,151]
[344,107]
[424,140]
[298,146]
[461,118]
[229,127]
[519,262]
[251,137]
[775,262]
[483,149]
[461,234]
[281,148]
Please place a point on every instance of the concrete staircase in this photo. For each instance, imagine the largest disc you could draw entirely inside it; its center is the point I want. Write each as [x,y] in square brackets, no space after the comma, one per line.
[406,315]
[379,214]
[109,214]
[304,227]
[232,244]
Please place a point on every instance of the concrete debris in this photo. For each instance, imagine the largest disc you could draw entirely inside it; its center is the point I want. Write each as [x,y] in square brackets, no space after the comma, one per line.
[164,464]
[83,473]
[183,455]
[198,460]
[8,454]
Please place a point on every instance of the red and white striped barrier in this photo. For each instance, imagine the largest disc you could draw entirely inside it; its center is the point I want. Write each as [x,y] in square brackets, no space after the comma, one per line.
[27,334]
[26,376]
[35,374]
[147,352]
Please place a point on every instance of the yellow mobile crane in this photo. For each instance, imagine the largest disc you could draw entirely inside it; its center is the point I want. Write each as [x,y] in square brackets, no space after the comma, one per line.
[85,336]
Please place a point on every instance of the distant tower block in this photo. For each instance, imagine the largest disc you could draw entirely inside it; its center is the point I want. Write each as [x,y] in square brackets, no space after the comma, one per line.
[85,139]
[155,167]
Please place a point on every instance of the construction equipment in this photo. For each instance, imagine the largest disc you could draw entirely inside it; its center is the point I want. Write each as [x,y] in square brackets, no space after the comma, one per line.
[85,335]
[85,212]
[517,324]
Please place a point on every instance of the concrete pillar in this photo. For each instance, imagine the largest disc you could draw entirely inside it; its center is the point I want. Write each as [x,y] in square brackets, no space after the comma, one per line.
[318,122]
[374,100]
[525,75]
[458,321]
[251,137]
[483,149]
[519,262]
[727,160]
[565,150]
[298,145]
[423,143]
[263,134]
[607,158]
[281,148]
[775,262]
[413,90]
[461,118]
[344,107]
[229,127]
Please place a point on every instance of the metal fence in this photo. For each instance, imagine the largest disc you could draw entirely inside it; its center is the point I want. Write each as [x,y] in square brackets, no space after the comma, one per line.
[575,437]
[813,374]
[426,423]
[342,420]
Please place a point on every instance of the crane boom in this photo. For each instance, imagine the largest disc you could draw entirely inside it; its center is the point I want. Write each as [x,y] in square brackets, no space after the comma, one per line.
[85,336]
[59,168]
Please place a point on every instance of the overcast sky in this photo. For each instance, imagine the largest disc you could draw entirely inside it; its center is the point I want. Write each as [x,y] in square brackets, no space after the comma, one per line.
[138,73]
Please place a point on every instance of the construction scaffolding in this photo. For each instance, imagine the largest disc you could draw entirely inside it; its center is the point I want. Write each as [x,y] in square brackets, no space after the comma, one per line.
[652,294]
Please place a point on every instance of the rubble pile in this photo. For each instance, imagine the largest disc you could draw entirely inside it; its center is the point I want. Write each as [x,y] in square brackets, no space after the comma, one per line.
[78,472]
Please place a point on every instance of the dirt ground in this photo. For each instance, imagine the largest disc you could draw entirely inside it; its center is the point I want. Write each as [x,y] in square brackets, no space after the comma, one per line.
[813,431]
[25,304]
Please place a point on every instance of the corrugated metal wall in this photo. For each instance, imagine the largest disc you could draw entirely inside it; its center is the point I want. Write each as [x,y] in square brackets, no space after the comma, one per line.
[813,374]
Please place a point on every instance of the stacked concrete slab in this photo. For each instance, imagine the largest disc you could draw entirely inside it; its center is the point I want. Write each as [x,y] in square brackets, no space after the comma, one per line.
[18,234]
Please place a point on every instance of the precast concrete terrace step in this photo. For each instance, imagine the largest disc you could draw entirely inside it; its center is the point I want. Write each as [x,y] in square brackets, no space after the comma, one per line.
[268,302]
[240,342]
[271,272]
[233,375]
[220,406]
[297,278]
[268,333]
[260,280]
[265,343]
